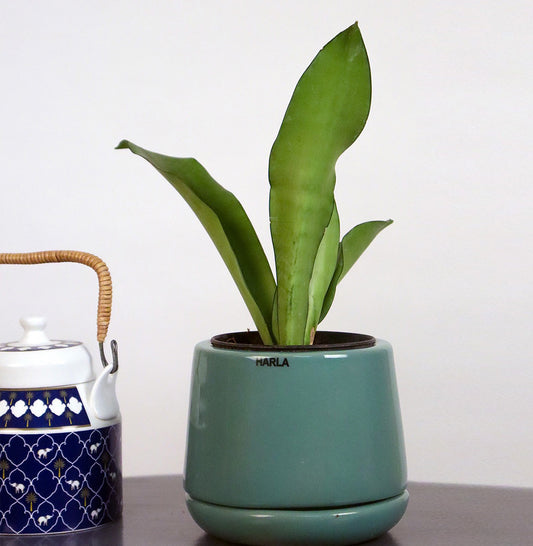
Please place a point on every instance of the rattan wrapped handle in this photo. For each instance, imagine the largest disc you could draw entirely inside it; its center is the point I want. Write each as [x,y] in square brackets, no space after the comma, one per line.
[53,256]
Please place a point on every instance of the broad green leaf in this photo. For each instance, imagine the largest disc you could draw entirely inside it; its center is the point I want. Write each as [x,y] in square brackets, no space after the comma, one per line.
[330,294]
[357,240]
[323,271]
[275,324]
[229,227]
[327,112]
[353,244]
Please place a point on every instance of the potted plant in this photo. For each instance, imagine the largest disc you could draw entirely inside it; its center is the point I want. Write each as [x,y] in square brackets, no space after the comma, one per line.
[294,434]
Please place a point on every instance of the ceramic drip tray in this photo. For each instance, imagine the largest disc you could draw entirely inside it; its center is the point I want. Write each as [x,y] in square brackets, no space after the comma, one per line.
[333,527]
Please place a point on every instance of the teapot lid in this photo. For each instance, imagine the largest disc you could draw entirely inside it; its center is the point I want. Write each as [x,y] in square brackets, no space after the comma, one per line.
[35,361]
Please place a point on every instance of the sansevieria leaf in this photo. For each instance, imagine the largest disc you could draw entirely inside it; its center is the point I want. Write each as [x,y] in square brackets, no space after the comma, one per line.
[353,244]
[229,227]
[327,112]
[323,271]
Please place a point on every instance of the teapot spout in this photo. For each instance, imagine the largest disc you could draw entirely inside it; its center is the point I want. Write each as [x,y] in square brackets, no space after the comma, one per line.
[103,399]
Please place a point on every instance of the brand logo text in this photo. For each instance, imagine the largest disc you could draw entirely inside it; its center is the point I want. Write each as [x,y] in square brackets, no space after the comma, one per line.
[272,362]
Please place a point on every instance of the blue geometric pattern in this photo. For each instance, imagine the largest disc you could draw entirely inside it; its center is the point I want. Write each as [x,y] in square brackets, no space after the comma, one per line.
[42,408]
[8,348]
[57,482]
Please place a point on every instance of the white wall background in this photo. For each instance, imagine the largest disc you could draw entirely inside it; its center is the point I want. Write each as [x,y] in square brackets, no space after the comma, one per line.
[445,153]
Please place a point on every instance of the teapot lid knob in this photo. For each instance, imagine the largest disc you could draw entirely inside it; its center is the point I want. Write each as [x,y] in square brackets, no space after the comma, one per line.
[33,331]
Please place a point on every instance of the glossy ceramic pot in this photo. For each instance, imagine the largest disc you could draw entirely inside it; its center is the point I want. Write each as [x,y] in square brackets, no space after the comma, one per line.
[296,446]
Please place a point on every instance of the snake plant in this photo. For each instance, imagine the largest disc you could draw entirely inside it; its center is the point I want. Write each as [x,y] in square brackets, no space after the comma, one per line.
[327,112]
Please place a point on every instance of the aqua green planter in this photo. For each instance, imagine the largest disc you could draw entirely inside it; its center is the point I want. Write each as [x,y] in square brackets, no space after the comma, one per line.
[295,446]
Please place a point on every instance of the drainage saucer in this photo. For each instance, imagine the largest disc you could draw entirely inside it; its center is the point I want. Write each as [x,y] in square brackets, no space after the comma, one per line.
[332,527]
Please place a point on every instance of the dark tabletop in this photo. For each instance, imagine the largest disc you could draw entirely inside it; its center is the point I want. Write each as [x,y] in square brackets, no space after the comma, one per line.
[437,515]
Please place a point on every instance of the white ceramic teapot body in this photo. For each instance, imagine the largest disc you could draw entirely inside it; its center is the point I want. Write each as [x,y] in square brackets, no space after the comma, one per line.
[36,363]
[60,427]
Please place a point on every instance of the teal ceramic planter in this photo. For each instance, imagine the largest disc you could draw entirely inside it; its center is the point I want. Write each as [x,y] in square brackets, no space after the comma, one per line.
[295,446]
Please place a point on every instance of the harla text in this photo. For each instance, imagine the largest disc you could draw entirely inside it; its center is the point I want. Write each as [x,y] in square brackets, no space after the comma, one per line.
[272,361]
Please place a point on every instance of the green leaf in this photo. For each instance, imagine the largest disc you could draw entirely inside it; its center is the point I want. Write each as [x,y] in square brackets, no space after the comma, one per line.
[353,244]
[229,227]
[332,289]
[323,271]
[357,240]
[327,112]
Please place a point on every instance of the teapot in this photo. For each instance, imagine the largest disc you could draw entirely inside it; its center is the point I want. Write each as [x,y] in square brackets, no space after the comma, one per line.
[60,424]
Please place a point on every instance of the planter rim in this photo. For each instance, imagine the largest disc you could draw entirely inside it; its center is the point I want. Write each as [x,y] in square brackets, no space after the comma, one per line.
[324,341]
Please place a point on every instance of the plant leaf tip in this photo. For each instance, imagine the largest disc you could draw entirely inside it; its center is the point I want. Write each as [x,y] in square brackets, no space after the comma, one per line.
[122,144]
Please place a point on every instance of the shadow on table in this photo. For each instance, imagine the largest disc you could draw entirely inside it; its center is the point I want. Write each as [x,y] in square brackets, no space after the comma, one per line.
[385,540]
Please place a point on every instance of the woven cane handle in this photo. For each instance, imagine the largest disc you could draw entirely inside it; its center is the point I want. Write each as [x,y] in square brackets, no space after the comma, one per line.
[54,256]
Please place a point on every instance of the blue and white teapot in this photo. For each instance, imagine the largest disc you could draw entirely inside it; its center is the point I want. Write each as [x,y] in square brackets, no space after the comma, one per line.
[60,426]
